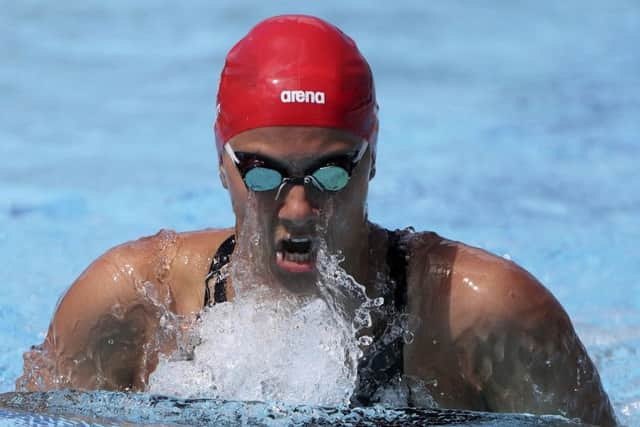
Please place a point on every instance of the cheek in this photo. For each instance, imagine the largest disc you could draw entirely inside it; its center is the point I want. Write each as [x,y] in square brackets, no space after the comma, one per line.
[252,209]
[352,201]
[239,195]
[358,190]
[349,206]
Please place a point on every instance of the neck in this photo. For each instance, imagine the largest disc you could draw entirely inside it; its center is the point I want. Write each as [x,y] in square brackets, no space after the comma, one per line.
[363,252]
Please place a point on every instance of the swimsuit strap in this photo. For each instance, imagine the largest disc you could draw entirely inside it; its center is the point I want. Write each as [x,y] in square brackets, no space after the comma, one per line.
[217,271]
[397,262]
[383,360]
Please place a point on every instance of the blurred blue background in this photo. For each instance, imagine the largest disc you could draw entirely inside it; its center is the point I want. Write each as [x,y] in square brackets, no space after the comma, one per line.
[509,125]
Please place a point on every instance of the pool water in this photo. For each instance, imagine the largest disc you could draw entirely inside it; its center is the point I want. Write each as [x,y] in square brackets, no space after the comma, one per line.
[514,126]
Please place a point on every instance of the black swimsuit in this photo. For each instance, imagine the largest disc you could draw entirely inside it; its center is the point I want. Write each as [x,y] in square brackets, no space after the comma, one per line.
[382,361]
[218,273]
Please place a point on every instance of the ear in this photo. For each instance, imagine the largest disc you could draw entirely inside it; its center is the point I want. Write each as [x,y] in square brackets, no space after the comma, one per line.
[223,177]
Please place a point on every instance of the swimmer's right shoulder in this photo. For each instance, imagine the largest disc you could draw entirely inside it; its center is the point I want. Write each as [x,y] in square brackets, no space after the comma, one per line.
[113,308]
[205,241]
[177,260]
[166,245]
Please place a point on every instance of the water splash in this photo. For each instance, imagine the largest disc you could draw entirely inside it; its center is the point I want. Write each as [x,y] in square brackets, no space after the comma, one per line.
[292,349]
[56,367]
[109,408]
[270,344]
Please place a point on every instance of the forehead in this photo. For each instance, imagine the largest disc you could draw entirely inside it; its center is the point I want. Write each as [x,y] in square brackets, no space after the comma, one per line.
[295,141]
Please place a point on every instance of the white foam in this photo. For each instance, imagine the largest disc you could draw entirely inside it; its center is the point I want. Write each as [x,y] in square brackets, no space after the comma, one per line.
[289,349]
[263,346]
[253,350]
[270,344]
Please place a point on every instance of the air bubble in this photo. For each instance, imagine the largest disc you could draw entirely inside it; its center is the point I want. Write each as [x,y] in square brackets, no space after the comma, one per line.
[365,340]
[408,337]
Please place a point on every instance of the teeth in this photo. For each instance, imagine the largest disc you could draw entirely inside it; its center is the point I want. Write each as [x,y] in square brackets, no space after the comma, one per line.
[299,245]
[300,240]
[297,257]
[293,256]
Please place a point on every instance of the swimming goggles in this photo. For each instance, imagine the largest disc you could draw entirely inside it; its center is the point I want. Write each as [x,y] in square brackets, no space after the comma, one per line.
[261,173]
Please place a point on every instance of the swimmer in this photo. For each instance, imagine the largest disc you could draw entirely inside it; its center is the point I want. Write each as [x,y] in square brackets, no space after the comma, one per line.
[296,134]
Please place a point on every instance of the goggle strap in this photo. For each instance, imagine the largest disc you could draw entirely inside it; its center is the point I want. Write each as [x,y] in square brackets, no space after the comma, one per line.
[361,152]
[231,153]
[280,187]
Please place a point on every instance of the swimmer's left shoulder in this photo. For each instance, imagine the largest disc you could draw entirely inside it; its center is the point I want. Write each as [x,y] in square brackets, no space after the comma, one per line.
[499,277]
[490,290]
[505,326]
[479,287]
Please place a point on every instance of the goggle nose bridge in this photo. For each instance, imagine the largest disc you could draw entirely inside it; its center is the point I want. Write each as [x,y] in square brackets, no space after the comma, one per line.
[299,180]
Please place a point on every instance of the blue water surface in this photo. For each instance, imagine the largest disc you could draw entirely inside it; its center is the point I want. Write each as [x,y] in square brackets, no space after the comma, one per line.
[510,125]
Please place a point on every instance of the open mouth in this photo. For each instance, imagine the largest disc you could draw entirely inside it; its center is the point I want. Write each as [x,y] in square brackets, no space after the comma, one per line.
[296,254]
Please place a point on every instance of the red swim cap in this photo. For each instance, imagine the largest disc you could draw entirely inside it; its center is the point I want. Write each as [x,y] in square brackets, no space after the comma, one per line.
[296,70]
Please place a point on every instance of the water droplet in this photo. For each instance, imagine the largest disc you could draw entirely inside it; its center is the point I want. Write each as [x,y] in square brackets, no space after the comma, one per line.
[365,340]
[128,269]
[362,319]
[408,337]
[259,350]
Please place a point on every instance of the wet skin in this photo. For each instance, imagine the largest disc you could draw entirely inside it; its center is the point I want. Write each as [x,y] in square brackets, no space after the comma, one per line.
[300,210]
[489,335]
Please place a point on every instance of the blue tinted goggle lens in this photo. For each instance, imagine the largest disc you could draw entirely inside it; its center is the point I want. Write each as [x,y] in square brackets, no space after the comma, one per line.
[330,178]
[262,179]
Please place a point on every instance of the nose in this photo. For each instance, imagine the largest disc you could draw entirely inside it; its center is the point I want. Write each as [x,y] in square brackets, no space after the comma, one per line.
[296,206]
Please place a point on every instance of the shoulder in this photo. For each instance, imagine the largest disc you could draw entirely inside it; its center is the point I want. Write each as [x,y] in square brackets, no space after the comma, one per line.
[496,293]
[194,252]
[496,327]
[117,302]
[481,290]
[168,261]
[167,245]
[202,242]
[181,261]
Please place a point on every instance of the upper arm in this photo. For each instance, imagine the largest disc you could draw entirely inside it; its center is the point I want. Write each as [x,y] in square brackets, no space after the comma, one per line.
[121,311]
[98,333]
[522,352]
